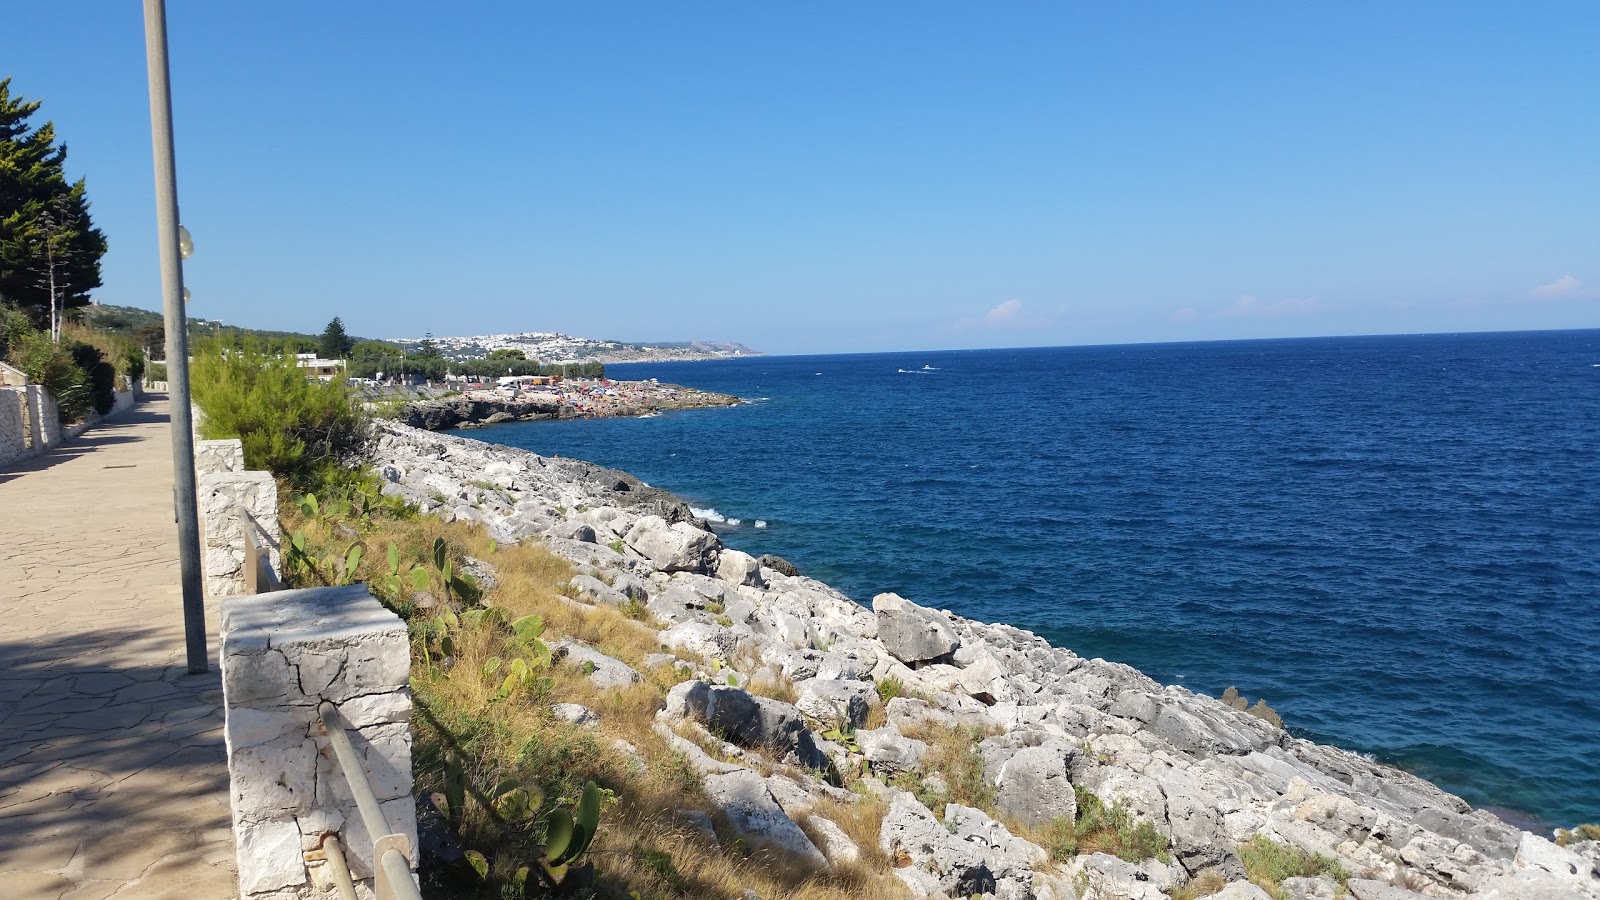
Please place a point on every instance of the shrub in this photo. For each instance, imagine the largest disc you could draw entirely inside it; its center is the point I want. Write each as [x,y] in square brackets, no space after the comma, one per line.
[47,363]
[1267,863]
[1581,833]
[100,377]
[890,688]
[1106,828]
[314,435]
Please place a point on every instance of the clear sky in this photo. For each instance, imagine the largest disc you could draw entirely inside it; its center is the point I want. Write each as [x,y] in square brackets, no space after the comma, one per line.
[848,177]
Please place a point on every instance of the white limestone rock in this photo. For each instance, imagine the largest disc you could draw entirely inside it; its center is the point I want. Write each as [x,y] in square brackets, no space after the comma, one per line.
[911,633]
[679,547]
[743,798]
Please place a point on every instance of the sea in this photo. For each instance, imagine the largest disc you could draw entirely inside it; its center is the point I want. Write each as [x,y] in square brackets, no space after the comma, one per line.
[1394,540]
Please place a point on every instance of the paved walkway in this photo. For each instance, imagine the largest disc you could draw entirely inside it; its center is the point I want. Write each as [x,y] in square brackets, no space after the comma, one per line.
[113,779]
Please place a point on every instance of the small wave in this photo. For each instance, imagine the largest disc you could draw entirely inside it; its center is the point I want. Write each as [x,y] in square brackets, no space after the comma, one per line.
[710,515]
[761,523]
[732,521]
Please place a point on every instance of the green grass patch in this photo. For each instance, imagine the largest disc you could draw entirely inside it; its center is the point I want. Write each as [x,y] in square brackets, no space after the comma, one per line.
[1267,863]
[1103,828]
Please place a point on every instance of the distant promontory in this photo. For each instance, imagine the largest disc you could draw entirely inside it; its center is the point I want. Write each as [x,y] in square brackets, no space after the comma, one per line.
[558,347]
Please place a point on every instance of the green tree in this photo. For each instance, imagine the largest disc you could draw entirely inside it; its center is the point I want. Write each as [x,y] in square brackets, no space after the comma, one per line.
[335,343]
[507,353]
[313,434]
[50,250]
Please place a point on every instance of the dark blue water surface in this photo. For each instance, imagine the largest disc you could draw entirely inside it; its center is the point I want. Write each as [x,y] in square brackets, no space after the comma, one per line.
[1395,540]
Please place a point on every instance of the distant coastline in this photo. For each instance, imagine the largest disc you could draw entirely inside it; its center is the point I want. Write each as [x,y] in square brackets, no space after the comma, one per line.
[577,399]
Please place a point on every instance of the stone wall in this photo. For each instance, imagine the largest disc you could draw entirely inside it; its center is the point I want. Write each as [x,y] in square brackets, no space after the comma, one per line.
[282,654]
[15,443]
[229,501]
[215,457]
[29,422]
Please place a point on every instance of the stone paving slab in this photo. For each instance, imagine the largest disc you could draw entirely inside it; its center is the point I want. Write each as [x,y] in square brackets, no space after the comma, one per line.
[113,776]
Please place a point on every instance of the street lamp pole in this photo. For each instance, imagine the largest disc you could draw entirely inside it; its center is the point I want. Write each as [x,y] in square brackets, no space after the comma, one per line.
[184,495]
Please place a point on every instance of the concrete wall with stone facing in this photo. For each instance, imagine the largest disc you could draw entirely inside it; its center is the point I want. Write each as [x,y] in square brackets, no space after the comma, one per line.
[216,457]
[29,422]
[282,654]
[15,444]
[225,499]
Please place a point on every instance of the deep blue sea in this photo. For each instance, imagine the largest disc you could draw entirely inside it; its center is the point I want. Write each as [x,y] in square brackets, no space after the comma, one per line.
[1395,540]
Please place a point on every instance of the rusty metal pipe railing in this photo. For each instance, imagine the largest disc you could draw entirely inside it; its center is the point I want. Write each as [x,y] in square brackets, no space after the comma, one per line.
[341,869]
[390,852]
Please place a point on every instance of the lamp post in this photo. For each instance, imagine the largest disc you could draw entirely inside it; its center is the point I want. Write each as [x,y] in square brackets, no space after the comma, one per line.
[175,244]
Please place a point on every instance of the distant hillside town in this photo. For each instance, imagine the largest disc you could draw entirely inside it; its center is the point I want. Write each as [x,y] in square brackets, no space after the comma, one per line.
[552,346]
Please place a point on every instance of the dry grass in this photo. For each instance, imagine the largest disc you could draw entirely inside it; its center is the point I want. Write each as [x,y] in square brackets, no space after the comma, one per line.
[953,754]
[643,845]
[1205,884]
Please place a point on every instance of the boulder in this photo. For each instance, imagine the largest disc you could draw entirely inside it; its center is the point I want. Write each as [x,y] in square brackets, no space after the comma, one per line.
[832,841]
[575,714]
[748,720]
[1105,877]
[738,567]
[632,587]
[834,704]
[909,712]
[678,604]
[604,671]
[910,633]
[574,531]
[743,798]
[889,751]
[1010,858]
[673,548]
[592,589]
[1033,786]
[927,857]
[710,641]
[777,564]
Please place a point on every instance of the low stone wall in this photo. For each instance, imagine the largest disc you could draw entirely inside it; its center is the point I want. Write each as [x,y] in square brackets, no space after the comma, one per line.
[282,654]
[15,444]
[29,422]
[215,457]
[233,501]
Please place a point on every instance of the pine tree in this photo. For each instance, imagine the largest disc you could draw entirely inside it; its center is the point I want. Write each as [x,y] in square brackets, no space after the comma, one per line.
[49,248]
[335,343]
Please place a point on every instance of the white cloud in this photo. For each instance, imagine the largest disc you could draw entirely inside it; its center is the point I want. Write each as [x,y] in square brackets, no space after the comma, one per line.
[1248,306]
[1004,314]
[1565,286]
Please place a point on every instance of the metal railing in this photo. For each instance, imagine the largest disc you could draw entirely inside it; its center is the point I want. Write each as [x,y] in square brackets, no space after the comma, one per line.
[391,853]
[259,577]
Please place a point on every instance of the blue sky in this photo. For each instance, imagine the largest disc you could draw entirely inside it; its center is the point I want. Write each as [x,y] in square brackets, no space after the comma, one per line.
[833,177]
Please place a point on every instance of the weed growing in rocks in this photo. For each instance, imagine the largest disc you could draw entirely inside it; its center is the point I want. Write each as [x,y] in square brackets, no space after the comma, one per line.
[1102,828]
[1581,833]
[1267,863]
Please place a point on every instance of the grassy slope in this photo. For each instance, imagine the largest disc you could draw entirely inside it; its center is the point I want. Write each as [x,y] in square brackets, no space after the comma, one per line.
[642,845]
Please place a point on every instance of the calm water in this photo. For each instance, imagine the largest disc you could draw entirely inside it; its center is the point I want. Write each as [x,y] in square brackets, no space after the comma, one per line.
[1396,540]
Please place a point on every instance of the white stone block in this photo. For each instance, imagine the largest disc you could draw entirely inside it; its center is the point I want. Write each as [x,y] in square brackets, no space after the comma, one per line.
[284,653]
[269,856]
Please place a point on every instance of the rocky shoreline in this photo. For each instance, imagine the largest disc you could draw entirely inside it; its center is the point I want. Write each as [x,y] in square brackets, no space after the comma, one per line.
[1047,723]
[474,409]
